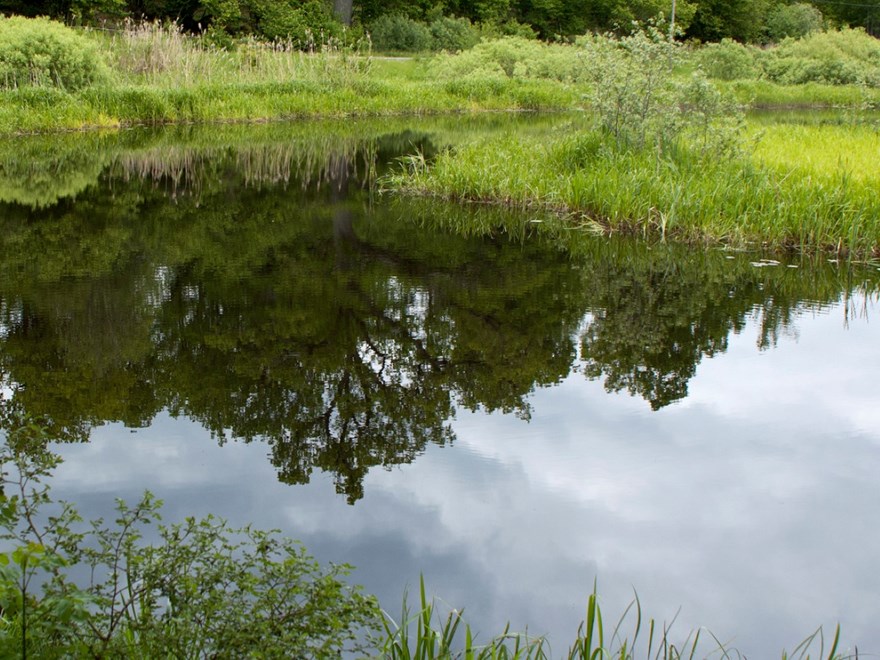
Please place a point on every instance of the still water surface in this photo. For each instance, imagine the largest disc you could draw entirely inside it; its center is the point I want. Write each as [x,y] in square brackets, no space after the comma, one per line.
[232,318]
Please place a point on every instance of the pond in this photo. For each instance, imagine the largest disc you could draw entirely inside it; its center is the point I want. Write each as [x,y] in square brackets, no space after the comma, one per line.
[235,319]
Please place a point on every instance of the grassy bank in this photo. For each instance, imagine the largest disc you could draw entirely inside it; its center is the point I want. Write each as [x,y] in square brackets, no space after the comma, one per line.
[154,75]
[151,74]
[803,187]
[36,110]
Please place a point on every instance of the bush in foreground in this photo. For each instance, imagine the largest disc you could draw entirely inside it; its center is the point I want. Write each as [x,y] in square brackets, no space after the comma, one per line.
[203,590]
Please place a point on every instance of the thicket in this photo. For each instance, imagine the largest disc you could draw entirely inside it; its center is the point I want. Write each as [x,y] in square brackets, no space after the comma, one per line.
[42,53]
[511,57]
[838,57]
[398,33]
[834,57]
[794,20]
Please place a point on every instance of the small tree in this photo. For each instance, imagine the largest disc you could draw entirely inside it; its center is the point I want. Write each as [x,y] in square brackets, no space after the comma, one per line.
[797,20]
[633,91]
[640,103]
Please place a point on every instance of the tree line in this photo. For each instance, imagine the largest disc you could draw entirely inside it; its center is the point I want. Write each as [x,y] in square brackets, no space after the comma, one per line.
[701,20]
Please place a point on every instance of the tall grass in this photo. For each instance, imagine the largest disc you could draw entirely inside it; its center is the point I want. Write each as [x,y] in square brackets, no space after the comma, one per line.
[163,55]
[788,194]
[426,635]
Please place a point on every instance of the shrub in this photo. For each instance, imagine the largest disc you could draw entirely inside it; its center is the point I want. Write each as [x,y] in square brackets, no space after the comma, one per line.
[728,60]
[453,34]
[797,20]
[304,24]
[511,57]
[640,103]
[633,91]
[393,32]
[836,57]
[203,589]
[40,52]
[511,28]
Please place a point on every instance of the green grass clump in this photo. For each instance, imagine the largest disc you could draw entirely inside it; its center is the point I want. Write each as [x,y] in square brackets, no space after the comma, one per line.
[767,94]
[788,194]
[425,634]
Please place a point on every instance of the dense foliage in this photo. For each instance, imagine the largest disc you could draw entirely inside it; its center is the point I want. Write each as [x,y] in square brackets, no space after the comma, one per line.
[703,20]
[833,57]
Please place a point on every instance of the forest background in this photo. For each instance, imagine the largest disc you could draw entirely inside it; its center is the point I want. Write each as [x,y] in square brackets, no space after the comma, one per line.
[417,25]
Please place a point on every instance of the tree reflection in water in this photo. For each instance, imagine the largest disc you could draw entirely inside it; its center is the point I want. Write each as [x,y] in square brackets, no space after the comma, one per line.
[261,290]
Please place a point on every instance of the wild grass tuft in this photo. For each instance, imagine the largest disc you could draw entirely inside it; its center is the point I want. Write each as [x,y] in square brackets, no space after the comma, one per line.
[435,637]
[425,635]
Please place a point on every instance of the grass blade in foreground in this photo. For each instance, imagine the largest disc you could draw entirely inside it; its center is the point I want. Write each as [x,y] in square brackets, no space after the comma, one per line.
[436,638]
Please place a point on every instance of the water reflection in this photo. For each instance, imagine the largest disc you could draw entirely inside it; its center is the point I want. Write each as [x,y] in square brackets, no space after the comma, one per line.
[249,280]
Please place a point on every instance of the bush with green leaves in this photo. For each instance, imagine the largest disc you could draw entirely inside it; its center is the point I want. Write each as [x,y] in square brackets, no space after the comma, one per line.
[304,24]
[453,34]
[203,589]
[508,28]
[835,57]
[633,90]
[795,20]
[394,32]
[43,53]
[640,103]
[728,60]
[511,57]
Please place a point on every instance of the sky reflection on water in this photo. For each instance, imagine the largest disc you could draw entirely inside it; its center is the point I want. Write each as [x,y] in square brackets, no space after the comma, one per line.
[751,504]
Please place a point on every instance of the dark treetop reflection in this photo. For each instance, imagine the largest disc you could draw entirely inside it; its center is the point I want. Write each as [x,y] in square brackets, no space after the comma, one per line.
[248,279]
